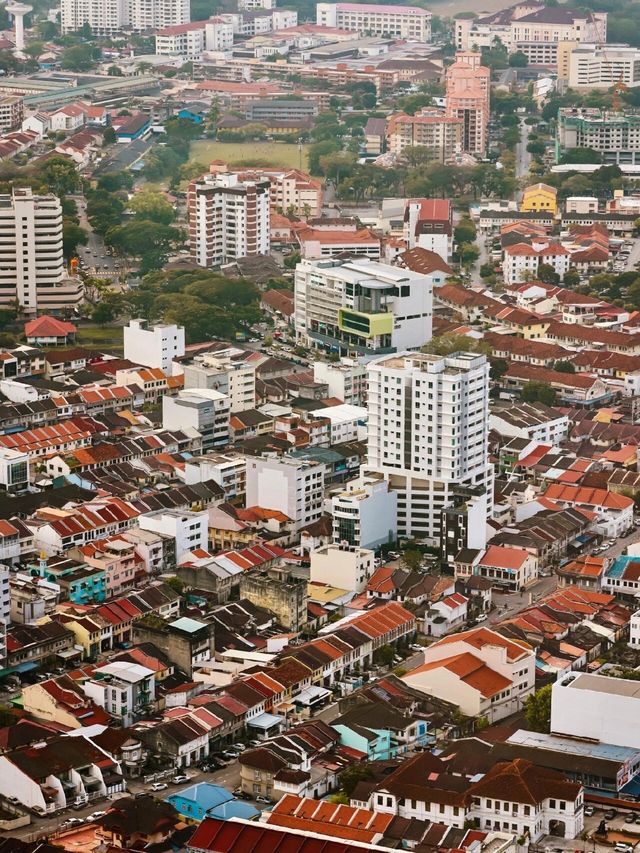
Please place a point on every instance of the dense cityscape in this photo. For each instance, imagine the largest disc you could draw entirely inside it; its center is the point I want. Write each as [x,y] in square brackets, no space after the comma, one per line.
[319,426]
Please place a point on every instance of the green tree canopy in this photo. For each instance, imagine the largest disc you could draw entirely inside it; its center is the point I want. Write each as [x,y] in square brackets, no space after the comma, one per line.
[538,392]
[537,709]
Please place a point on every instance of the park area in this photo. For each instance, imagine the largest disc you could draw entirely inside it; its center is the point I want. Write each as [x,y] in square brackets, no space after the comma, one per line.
[249,153]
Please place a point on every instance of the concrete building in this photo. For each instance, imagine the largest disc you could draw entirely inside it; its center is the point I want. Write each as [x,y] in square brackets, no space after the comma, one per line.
[616,136]
[189,530]
[533,421]
[32,268]
[186,642]
[220,372]
[343,566]
[600,66]
[293,486]
[428,128]
[365,513]
[596,707]
[346,379]
[428,433]
[123,689]
[229,218]
[202,409]
[155,346]
[11,112]
[428,224]
[228,470]
[407,22]
[275,590]
[467,98]
[634,630]
[106,17]
[193,39]
[363,306]
[14,469]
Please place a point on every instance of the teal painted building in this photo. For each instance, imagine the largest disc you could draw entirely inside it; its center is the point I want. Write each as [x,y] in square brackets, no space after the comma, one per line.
[80,583]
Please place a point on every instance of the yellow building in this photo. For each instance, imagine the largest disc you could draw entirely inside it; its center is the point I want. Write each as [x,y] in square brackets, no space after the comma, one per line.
[539,197]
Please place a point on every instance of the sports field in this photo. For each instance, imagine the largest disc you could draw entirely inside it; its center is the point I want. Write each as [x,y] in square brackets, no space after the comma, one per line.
[249,153]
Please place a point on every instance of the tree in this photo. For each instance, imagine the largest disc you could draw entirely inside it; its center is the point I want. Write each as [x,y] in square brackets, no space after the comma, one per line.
[518,60]
[538,392]
[571,278]
[292,260]
[384,655]
[411,559]
[447,344]
[72,237]
[536,147]
[114,71]
[537,709]
[79,57]
[109,136]
[498,368]
[468,253]
[581,155]
[60,175]
[350,777]
[547,274]
[152,206]
[564,367]
[465,231]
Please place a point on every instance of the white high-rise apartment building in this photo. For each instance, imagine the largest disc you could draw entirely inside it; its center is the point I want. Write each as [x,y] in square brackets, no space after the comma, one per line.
[221,372]
[32,268]
[202,409]
[363,307]
[407,22]
[428,431]
[229,218]
[111,16]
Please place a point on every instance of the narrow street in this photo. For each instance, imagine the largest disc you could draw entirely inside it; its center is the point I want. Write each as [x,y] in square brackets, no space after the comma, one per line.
[523,158]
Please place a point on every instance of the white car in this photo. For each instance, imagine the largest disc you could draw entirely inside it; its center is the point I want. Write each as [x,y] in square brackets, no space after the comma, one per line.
[95,816]
[159,786]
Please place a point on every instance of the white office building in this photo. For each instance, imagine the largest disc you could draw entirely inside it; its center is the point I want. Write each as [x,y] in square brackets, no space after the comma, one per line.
[428,433]
[219,371]
[342,566]
[363,307]
[202,409]
[365,513]
[407,22]
[600,66]
[153,346]
[14,469]
[193,39]
[227,470]
[229,218]
[32,268]
[292,486]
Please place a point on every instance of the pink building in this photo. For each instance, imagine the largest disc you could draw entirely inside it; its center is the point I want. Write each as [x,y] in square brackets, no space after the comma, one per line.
[467,93]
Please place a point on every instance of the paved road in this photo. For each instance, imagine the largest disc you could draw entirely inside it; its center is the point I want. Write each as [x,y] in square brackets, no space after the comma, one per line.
[634,255]
[509,603]
[523,158]
[124,156]
[94,254]
[621,544]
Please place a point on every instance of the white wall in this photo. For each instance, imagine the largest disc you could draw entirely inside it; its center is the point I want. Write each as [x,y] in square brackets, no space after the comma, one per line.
[153,347]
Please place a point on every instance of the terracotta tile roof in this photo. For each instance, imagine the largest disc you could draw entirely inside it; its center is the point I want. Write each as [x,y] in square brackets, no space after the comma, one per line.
[587,497]
[470,669]
[48,327]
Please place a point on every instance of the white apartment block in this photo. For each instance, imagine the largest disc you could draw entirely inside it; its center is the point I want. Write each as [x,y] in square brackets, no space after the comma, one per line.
[346,379]
[407,22]
[248,5]
[220,372]
[106,17]
[521,261]
[155,346]
[365,513]
[595,66]
[363,307]
[14,469]
[32,268]
[123,689]
[193,39]
[189,530]
[634,630]
[202,409]
[293,486]
[228,470]
[11,112]
[428,432]
[228,218]
[342,566]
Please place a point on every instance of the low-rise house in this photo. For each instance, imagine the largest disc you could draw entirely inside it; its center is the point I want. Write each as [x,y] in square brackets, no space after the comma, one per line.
[138,822]
[481,671]
[62,701]
[123,689]
[612,513]
[585,572]
[446,615]
[185,740]
[379,730]
[49,331]
[207,800]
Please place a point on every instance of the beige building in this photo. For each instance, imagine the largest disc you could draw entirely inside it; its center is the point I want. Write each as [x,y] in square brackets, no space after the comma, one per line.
[429,128]
[284,595]
[343,566]
[467,99]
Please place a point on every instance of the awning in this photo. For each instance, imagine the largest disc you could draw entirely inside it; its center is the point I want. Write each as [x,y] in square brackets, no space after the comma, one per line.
[632,788]
[264,722]
[20,667]
[67,654]
[311,695]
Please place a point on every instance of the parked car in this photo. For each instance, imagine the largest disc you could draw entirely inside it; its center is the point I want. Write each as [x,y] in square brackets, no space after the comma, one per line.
[255,743]
[231,756]
[481,617]
[610,814]
[621,847]
[589,810]
[180,779]
[73,821]
[159,786]
[95,815]
[266,800]
[629,818]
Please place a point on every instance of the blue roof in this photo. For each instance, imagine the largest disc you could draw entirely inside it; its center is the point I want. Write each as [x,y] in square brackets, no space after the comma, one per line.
[620,564]
[234,808]
[204,794]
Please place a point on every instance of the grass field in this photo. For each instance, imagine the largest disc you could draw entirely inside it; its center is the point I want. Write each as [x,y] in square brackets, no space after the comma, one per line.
[100,337]
[248,153]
